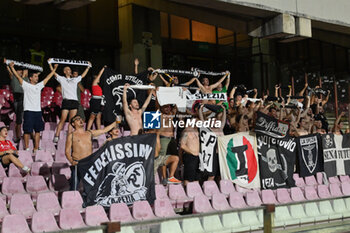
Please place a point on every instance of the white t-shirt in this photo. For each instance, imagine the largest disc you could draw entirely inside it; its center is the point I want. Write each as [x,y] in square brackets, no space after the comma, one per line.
[69,87]
[32,96]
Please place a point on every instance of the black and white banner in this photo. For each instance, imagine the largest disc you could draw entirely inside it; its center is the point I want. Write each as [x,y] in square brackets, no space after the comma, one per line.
[194,72]
[310,155]
[209,96]
[276,161]
[270,126]
[112,84]
[120,172]
[68,62]
[336,154]
[25,65]
[208,149]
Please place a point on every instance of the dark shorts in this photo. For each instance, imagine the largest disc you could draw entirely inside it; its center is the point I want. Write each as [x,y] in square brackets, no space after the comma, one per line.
[32,121]
[18,106]
[70,104]
[172,147]
[95,106]
[7,165]
[191,165]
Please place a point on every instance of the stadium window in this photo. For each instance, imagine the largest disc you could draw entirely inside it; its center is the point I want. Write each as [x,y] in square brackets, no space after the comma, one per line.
[225,37]
[180,28]
[243,41]
[164,24]
[202,32]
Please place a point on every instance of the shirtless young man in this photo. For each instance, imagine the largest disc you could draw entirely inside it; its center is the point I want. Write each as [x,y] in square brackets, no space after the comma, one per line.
[79,144]
[168,151]
[303,129]
[206,88]
[132,111]
[189,143]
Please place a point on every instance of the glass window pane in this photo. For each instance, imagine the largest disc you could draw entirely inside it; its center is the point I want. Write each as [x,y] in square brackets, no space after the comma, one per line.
[225,37]
[180,28]
[203,32]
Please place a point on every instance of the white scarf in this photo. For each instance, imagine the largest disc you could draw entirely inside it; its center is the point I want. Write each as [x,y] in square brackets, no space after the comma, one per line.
[68,62]
[25,65]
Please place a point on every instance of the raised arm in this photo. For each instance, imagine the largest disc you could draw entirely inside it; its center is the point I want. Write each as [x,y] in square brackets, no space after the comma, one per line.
[12,66]
[200,86]
[227,83]
[255,93]
[86,71]
[326,99]
[276,90]
[223,118]
[136,62]
[8,69]
[232,93]
[97,79]
[98,132]
[125,101]
[215,85]
[166,83]
[50,75]
[146,103]
[51,67]
[301,93]
[189,82]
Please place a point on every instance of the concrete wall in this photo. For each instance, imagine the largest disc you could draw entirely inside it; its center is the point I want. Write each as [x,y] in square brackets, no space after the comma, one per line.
[330,11]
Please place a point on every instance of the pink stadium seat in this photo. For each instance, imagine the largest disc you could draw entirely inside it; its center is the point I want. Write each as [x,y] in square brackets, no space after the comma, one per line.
[319,177]
[163,208]
[333,180]
[58,183]
[253,199]
[160,192]
[299,181]
[177,193]
[70,219]
[48,202]
[219,202]
[296,194]
[72,200]
[201,204]
[120,212]
[310,180]
[226,187]
[25,157]
[2,174]
[22,204]
[323,191]
[44,221]
[268,197]
[310,193]
[210,188]
[344,179]
[15,223]
[61,168]
[44,156]
[40,169]
[3,209]
[12,185]
[345,188]
[141,210]
[283,196]
[237,201]
[242,190]
[193,189]
[95,215]
[60,156]
[36,184]
[335,190]
[15,172]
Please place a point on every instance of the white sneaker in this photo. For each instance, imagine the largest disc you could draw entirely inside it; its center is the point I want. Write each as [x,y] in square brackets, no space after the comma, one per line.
[55,139]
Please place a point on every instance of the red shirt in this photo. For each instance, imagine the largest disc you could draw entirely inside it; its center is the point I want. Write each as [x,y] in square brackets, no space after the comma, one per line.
[6,145]
[96,90]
